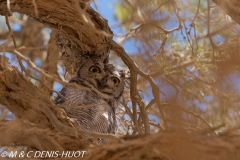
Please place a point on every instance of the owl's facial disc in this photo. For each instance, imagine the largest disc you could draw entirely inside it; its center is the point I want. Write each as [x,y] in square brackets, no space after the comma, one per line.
[110,85]
[95,74]
[109,82]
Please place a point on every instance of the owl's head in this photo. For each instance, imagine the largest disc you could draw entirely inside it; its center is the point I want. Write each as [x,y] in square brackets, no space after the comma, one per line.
[103,77]
[113,83]
[92,71]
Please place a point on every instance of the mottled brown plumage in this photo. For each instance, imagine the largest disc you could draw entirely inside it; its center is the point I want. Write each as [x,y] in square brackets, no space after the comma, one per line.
[93,112]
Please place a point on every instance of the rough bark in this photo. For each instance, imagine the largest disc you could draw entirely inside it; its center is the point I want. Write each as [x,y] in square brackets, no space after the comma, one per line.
[35,114]
[171,146]
[45,127]
[81,30]
[81,25]
[50,66]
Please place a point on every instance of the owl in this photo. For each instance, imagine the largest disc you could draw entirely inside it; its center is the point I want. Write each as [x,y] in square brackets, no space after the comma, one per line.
[93,112]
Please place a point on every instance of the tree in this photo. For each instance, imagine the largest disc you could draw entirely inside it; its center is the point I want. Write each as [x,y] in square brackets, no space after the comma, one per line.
[183,87]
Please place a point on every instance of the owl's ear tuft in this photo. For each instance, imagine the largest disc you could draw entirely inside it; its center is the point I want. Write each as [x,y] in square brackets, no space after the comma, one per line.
[109,67]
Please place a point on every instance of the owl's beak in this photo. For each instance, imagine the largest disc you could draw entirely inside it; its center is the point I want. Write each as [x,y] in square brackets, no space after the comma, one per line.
[103,83]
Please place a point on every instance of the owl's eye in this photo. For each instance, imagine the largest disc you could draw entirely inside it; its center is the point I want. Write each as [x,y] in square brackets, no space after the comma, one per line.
[94,69]
[116,81]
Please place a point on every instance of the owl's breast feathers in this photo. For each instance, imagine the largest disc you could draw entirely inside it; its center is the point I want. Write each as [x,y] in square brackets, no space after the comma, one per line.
[92,112]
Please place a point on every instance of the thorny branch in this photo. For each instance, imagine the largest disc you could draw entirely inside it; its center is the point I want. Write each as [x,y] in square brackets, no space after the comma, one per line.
[135,70]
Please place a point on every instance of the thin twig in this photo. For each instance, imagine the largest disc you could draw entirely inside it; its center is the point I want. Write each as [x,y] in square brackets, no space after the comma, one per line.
[35,8]
[90,87]
[133,70]
[150,104]
[14,41]
[9,7]
[189,112]
[159,7]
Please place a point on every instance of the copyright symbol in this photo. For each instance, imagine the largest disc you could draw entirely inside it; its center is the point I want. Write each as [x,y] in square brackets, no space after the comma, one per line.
[4,154]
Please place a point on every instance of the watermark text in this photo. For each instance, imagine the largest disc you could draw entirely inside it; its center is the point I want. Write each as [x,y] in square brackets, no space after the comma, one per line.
[43,154]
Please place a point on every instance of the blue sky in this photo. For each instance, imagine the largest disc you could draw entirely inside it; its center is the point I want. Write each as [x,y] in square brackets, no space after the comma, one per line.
[106,9]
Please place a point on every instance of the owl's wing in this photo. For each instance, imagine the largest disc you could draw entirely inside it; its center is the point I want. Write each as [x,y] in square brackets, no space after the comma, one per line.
[104,120]
[62,97]
[97,115]
[99,118]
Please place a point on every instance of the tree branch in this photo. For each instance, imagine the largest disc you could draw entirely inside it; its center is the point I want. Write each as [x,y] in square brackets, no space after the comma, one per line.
[231,7]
